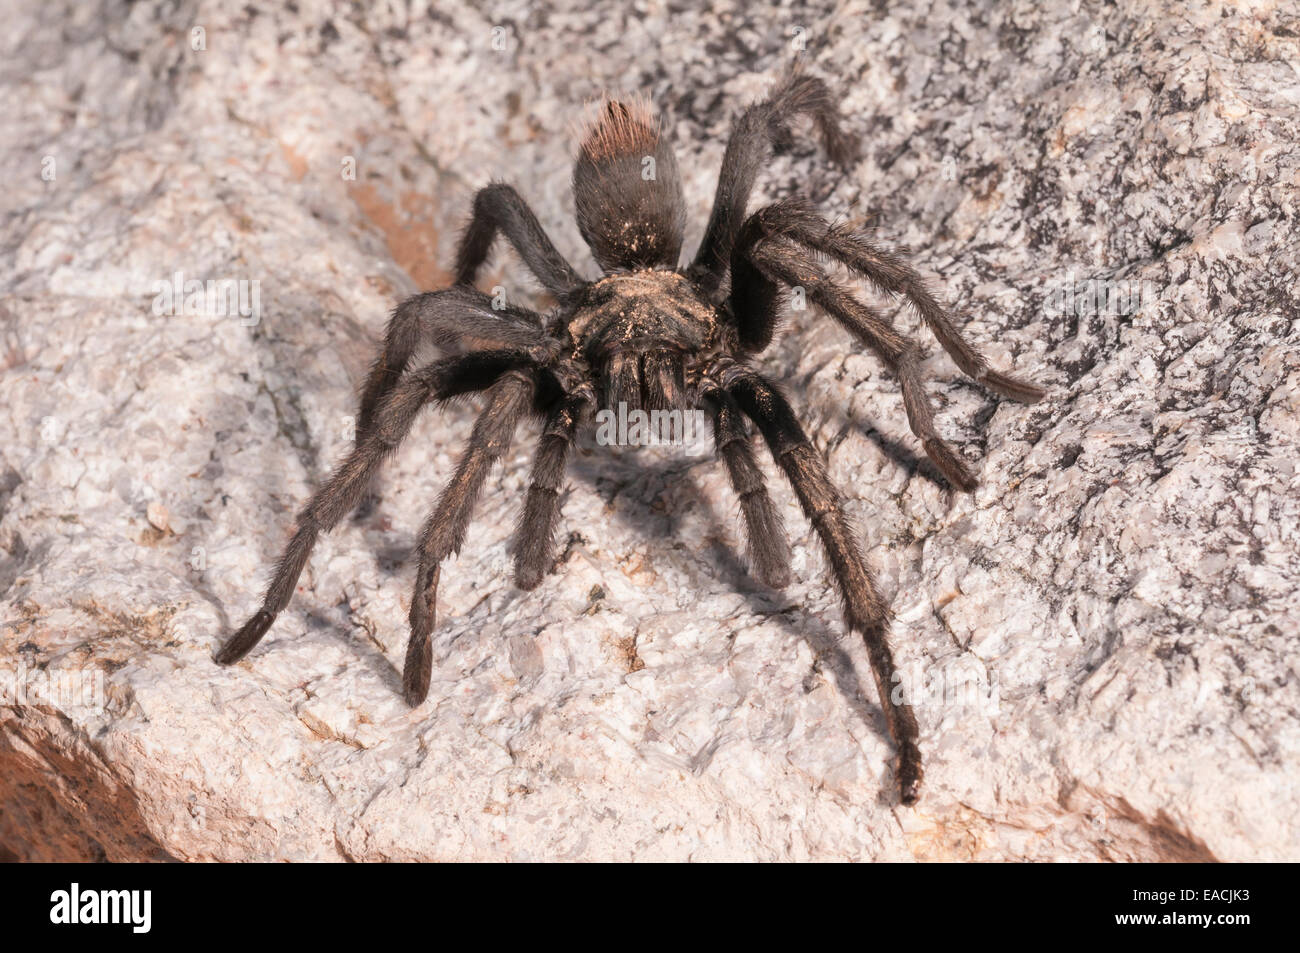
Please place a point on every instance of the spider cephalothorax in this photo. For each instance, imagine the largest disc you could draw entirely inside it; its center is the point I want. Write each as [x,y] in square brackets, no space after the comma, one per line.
[648,334]
[638,331]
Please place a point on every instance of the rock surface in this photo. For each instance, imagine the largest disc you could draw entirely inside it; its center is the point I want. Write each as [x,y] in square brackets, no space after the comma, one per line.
[1119,596]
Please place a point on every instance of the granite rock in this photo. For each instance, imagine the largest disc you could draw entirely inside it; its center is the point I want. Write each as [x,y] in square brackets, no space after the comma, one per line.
[1101,638]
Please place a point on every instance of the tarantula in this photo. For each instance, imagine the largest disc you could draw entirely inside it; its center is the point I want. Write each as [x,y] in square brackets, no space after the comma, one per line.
[654,335]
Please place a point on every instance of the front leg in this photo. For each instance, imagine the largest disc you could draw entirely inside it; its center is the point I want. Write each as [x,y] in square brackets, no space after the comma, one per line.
[454,318]
[864,609]
[769,550]
[534,540]
[444,532]
[342,491]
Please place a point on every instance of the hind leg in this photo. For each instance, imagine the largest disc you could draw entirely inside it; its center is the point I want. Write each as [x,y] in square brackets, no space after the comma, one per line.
[757,129]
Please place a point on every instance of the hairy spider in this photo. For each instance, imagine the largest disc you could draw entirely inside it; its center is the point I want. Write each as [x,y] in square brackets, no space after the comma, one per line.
[655,336]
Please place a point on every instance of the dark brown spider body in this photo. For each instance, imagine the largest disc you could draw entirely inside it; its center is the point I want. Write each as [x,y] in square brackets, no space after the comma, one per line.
[639,331]
[627,193]
[653,336]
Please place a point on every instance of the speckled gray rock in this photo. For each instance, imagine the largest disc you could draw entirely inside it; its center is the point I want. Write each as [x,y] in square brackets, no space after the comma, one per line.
[1105,631]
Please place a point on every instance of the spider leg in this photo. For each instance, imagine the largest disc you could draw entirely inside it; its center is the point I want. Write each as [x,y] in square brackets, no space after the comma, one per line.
[460,318]
[864,609]
[752,138]
[499,207]
[769,551]
[444,531]
[780,260]
[534,541]
[796,221]
[439,380]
